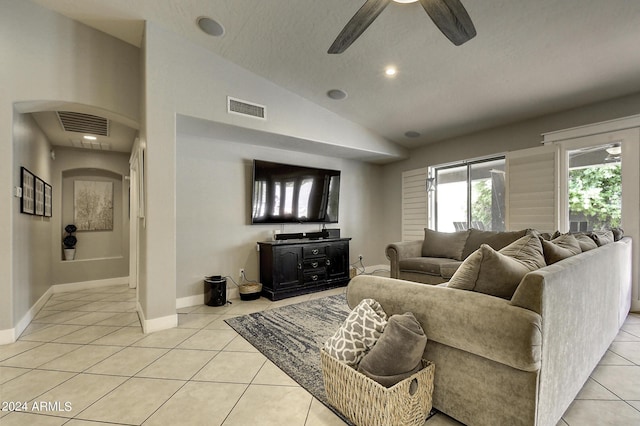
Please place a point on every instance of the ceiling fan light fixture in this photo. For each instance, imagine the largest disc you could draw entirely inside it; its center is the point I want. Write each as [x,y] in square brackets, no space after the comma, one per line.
[210,26]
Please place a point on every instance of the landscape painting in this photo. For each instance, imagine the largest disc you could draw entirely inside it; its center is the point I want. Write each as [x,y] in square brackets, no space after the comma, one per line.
[93,205]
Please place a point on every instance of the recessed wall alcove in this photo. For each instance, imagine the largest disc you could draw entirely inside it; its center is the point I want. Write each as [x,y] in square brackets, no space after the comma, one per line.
[102,243]
[100,254]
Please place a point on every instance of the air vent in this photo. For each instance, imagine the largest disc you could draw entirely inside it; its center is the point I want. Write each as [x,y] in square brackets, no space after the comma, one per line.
[238,106]
[83,123]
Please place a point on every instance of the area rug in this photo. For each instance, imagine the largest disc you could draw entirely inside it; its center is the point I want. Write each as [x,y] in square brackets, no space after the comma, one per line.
[291,337]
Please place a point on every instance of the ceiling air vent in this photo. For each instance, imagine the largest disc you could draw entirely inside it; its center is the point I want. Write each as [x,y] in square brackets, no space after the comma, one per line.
[83,123]
[238,106]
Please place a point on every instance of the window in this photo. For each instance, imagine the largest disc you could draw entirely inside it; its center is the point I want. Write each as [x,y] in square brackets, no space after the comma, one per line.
[470,195]
[595,187]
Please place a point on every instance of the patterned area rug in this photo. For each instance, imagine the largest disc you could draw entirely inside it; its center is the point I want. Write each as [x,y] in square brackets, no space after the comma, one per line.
[291,337]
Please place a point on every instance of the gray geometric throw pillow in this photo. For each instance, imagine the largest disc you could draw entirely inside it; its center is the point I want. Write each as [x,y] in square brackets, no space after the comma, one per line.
[359,332]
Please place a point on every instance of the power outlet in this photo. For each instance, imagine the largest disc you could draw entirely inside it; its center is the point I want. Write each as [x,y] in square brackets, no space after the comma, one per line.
[241,274]
[360,257]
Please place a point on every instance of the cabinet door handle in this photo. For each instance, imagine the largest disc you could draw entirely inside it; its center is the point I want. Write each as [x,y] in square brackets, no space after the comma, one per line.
[299,265]
[314,264]
[314,251]
[327,262]
[314,277]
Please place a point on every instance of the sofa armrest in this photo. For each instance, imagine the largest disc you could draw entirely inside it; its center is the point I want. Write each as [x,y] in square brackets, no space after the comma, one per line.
[402,250]
[487,326]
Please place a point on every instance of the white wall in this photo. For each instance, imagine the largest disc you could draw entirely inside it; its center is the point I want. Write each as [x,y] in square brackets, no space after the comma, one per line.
[31,234]
[182,78]
[213,189]
[49,59]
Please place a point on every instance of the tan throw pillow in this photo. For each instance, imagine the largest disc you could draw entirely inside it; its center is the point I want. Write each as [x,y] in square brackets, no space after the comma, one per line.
[497,240]
[444,244]
[566,245]
[585,241]
[602,237]
[498,273]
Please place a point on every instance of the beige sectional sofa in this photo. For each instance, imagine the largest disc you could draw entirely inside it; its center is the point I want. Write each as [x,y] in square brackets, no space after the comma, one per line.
[518,360]
[435,259]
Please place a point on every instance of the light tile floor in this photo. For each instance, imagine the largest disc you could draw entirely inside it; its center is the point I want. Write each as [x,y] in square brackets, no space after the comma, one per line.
[85,361]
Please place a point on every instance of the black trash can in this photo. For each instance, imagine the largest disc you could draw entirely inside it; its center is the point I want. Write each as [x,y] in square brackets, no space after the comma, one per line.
[215,290]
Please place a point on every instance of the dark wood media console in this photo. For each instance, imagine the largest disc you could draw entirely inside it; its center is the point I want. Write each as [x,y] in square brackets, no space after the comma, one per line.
[293,267]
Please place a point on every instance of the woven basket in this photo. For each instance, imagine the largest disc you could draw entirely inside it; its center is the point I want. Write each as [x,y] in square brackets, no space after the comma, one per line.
[367,403]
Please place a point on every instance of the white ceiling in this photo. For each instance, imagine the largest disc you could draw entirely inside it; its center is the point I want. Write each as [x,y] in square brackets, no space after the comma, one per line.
[120,138]
[529,58]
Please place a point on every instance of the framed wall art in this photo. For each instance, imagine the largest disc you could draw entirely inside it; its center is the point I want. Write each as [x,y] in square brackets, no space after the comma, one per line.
[93,205]
[27,182]
[39,196]
[48,200]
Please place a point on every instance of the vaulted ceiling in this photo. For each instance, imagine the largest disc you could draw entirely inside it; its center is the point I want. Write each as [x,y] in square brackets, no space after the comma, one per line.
[529,58]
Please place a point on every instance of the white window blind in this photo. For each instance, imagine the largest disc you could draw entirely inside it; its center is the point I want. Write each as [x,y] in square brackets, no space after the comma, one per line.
[532,194]
[414,204]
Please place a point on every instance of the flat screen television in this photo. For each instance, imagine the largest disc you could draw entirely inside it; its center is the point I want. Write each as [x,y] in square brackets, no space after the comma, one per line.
[285,193]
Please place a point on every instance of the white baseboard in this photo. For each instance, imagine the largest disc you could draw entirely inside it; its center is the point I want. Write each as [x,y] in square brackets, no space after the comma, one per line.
[156,324]
[198,299]
[11,335]
[185,302]
[380,270]
[87,285]
[7,336]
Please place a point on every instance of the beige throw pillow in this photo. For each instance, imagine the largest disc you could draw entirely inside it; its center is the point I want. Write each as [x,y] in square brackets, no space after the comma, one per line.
[602,237]
[444,244]
[585,241]
[497,240]
[498,273]
[566,245]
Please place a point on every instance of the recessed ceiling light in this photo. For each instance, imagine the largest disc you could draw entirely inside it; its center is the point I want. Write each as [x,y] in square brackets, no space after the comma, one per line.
[337,94]
[91,138]
[412,134]
[210,26]
[390,71]
[405,1]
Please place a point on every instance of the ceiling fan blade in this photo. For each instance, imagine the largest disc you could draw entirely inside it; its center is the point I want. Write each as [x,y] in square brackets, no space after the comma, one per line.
[451,18]
[356,26]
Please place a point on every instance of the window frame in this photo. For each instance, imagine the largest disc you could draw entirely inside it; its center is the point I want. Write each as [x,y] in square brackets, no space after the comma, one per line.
[432,210]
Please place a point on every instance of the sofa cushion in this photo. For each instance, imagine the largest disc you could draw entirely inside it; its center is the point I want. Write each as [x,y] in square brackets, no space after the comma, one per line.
[444,244]
[430,265]
[358,333]
[566,245]
[586,242]
[497,240]
[602,237]
[449,268]
[498,273]
[398,353]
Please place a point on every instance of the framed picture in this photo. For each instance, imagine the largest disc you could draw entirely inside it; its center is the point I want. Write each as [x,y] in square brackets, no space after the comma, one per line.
[27,182]
[48,200]
[93,205]
[39,196]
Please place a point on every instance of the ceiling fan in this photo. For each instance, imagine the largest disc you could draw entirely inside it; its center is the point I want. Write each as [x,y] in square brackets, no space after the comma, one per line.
[448,15]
